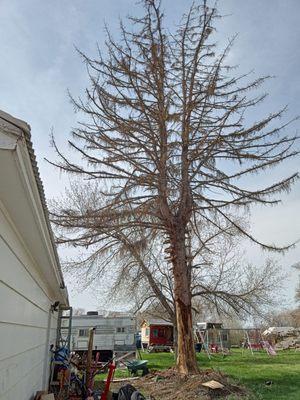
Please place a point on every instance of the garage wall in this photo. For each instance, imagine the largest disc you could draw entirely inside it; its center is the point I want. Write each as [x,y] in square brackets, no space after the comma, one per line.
[25,304]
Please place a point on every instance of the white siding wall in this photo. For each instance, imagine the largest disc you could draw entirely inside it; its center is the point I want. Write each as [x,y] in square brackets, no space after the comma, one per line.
[24,314]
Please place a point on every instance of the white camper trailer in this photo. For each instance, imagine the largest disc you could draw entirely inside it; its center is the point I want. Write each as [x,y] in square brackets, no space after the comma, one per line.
[112,333]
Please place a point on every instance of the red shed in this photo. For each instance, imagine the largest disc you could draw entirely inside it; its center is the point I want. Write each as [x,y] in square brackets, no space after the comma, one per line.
[157,332]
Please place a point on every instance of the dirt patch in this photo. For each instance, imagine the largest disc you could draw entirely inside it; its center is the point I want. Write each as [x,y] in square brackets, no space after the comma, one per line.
[169,385]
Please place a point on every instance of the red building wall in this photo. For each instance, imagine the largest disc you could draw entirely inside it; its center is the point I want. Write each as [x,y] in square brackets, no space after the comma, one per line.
[161,335]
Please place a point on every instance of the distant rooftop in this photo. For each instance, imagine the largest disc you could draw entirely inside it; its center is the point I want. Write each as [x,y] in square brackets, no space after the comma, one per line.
[153,321]
[102,315]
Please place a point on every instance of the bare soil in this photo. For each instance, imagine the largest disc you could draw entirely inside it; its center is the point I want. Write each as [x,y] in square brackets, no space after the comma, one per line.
[169,385]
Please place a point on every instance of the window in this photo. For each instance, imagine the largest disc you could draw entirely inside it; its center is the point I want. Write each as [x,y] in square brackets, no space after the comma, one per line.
[147,331]
[224,337]
[155,332]
[121,329]
[83,332]
[161,333]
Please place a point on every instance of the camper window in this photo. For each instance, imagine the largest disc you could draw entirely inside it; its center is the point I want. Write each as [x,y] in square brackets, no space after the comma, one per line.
[83,332]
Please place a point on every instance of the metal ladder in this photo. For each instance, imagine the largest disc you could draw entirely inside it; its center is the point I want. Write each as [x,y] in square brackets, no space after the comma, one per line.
[64,327]
[59,376]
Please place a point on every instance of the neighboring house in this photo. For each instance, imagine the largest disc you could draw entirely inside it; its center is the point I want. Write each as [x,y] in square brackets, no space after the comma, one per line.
[157,332]
[214,335]
[112,334]
[30,275]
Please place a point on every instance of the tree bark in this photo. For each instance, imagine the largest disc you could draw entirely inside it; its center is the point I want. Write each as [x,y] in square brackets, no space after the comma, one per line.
[186,357]
[175,338]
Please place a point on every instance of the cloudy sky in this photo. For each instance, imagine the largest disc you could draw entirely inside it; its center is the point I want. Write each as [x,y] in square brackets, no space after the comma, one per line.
[38,64]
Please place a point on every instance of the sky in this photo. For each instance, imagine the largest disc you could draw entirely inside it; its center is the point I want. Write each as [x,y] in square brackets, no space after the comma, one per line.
[39,64]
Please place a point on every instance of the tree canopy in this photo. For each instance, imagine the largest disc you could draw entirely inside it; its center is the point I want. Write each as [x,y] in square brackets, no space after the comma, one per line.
[166,138]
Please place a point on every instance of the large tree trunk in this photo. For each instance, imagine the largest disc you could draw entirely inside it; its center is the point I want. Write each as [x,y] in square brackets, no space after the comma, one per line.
[186,357]
[175,338]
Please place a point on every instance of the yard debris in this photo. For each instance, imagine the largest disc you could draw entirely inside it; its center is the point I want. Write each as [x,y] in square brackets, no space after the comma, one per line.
[39,394]
[213,384]
[159,349]
[129,379]
[129,392]
[158,378]
[169,385]
[49,396]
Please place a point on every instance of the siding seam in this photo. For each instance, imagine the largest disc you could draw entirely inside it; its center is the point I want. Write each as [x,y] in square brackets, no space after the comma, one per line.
[25,325]
[23,352]
[26,269]
[23,296]
[23,377]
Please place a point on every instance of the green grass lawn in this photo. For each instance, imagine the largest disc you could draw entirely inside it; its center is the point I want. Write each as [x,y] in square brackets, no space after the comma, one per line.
[251,371]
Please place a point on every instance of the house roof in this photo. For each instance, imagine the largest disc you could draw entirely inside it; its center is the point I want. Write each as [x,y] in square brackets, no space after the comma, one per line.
[157,322]
[209,323]
[23,130]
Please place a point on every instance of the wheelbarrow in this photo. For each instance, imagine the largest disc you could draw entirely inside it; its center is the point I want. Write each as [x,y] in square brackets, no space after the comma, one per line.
[137,365]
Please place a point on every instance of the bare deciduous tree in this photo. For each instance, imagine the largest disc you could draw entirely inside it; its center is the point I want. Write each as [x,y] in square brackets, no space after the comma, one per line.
[165,135]
[230,286]
[297,296]
[298,292]
[287,317]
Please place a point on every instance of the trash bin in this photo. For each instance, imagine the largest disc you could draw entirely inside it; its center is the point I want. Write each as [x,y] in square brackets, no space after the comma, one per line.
[198,347]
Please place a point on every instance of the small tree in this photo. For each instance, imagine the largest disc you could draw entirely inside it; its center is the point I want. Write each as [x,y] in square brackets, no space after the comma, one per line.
[165,136]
